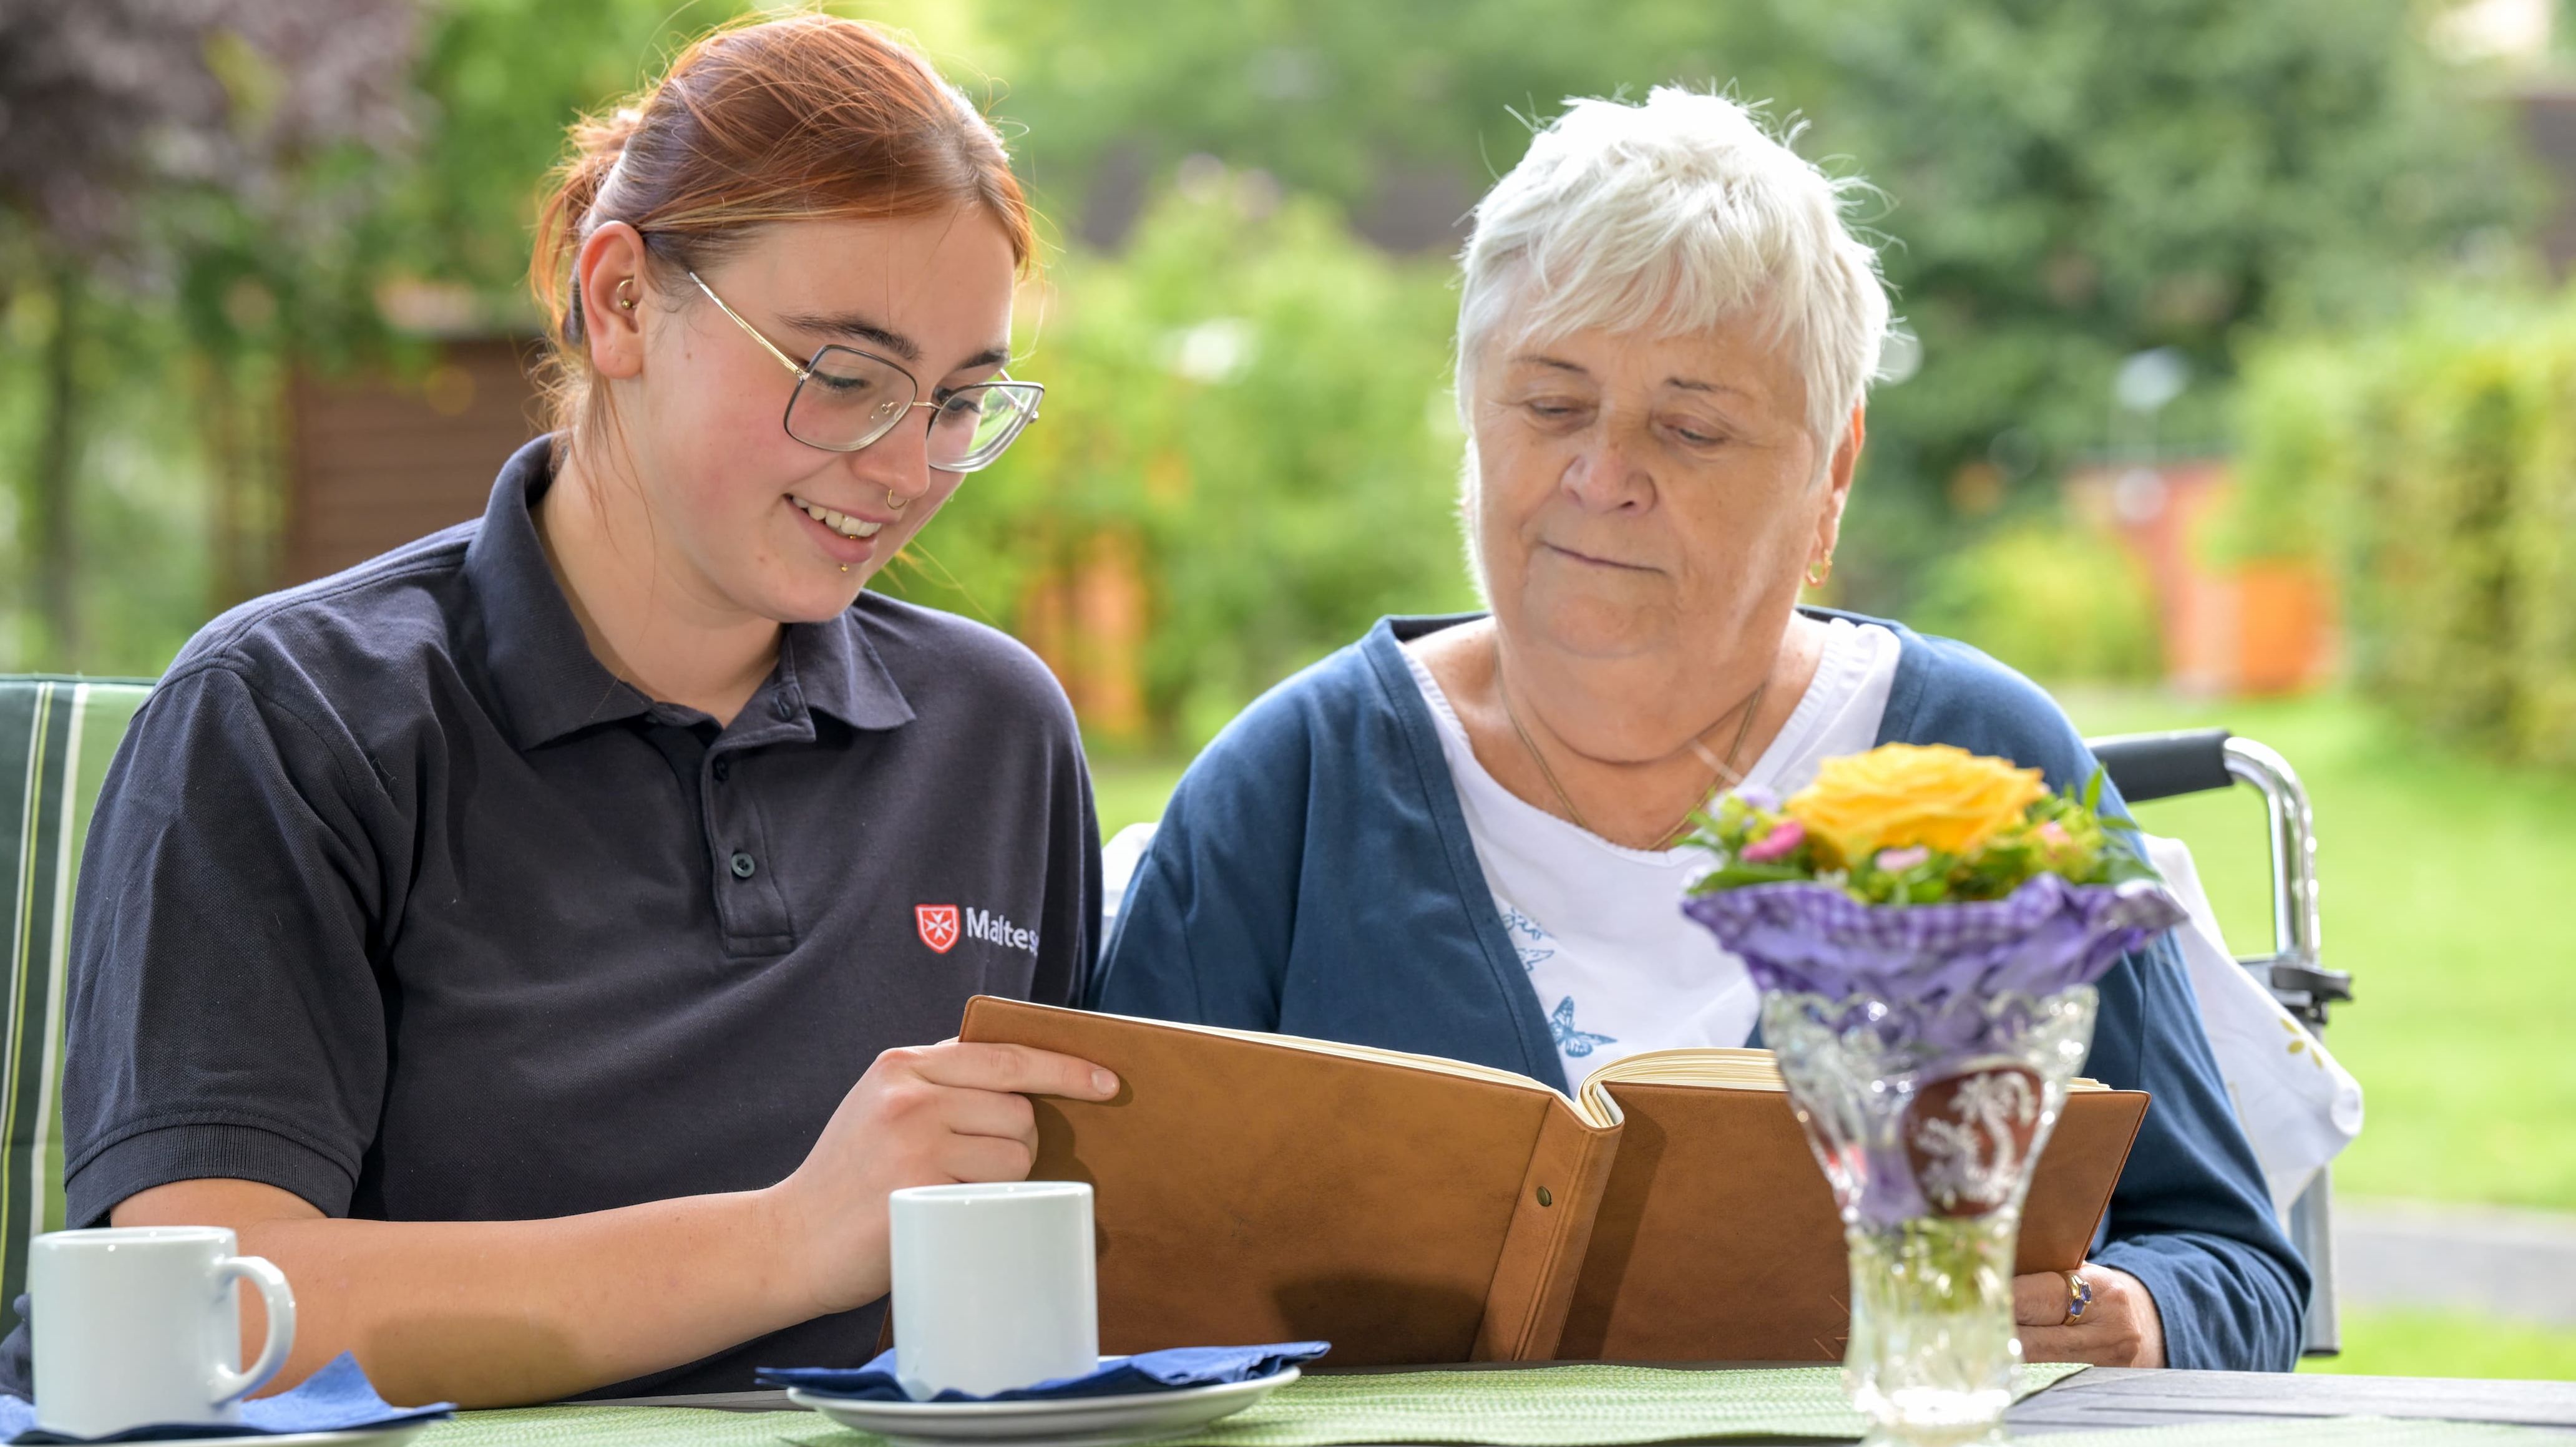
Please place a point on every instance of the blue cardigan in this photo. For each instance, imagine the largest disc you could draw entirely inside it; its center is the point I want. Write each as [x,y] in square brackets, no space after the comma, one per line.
[1313,875]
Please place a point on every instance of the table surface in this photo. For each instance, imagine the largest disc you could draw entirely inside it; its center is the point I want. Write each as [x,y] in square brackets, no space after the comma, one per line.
[2112,1397]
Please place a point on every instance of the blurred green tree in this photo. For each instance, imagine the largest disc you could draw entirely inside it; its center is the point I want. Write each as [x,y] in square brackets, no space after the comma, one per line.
[2072,183]
[2056,600]
[2067,183]
[153,150]
[1384,108]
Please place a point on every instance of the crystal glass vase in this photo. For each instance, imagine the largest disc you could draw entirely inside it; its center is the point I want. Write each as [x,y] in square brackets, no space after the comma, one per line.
[1927,1116]
[1927,1049]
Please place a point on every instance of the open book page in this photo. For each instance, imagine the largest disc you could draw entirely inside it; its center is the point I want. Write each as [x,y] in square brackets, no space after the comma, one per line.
[1711,1067]
[1717,1068]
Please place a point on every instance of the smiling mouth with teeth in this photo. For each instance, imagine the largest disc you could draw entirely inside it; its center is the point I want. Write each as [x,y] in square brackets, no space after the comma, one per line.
[842,523]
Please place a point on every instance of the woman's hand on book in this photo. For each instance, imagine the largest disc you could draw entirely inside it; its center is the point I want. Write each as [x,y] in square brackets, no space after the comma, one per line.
[2119,1328]
[926,1116]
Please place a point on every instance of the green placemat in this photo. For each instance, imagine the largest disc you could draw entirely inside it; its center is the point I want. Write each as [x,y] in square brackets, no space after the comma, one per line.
[1559,1407]
[1571,1406]
[631,1427]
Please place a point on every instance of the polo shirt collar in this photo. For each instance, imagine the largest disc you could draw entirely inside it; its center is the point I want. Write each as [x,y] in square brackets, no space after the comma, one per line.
[546,678]
[831,666]
[550,684]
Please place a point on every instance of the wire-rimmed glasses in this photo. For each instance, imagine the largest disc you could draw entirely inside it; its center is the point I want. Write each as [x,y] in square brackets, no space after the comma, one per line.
[846,398]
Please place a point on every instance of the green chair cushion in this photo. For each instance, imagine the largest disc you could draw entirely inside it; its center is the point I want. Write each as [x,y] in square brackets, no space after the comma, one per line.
[56,737]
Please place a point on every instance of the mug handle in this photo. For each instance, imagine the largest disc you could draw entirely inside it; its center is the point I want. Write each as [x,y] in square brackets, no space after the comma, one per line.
[232,1386]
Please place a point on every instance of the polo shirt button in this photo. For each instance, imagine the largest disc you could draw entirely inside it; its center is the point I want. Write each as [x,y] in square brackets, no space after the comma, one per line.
[782,707]
[722,768]
[743,867]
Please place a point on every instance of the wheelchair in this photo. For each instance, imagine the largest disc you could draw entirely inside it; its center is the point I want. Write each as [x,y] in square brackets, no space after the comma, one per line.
[2191,761]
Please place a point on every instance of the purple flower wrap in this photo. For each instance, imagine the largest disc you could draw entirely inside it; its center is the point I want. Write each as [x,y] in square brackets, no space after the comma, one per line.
[1813,939]
[1883,1012]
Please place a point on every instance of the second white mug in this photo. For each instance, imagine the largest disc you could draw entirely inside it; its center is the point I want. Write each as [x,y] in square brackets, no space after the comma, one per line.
[141,1325]
[994,1286]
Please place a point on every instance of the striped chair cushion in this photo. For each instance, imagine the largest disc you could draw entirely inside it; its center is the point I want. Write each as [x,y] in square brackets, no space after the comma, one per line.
[56,736]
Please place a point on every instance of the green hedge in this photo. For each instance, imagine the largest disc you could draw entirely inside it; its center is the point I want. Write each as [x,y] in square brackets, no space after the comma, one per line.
[2435,460]
[2060,602]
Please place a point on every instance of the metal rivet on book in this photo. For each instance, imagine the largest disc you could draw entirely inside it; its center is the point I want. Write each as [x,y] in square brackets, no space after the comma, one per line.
[1544,1198]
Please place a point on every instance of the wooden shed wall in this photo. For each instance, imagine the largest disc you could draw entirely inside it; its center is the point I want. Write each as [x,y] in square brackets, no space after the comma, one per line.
[375,462]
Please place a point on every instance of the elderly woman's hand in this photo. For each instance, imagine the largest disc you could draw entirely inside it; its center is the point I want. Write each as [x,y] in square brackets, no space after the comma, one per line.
[2119,1329]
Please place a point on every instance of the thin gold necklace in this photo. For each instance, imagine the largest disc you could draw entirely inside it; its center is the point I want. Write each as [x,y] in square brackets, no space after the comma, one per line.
[1720,770]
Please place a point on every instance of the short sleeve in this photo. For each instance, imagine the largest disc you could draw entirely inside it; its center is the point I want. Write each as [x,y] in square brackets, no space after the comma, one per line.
[225,1019]
[1069,923]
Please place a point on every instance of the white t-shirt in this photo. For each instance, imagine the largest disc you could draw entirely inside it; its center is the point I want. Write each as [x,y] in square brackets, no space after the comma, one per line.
[1617,968]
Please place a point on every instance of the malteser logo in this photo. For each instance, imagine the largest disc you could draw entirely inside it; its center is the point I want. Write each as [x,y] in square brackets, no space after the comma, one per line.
[995,930]
[938,925]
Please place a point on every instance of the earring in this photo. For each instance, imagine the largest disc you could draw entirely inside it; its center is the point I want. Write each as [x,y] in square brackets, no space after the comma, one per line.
[895,503]
[1819,571]
[624,302]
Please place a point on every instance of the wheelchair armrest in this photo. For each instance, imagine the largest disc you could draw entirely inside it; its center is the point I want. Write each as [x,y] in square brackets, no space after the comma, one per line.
[2323,987]
[2158,766]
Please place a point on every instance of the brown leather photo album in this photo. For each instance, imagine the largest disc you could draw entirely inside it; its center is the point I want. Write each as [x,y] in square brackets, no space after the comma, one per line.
[1408,1209]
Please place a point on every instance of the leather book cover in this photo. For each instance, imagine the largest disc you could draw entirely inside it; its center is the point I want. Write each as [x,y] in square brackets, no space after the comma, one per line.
[1247,1190]
[1717,1239]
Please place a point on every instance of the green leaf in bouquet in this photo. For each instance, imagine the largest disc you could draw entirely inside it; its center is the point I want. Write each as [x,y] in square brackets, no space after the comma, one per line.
[1736,874]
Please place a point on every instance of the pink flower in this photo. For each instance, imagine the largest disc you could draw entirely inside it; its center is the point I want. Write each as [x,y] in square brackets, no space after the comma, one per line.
[2052,834]
[1897,861]
[1783,837]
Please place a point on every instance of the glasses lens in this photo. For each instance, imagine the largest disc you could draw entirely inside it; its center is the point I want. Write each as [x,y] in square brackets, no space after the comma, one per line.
[974,424]
[848,401]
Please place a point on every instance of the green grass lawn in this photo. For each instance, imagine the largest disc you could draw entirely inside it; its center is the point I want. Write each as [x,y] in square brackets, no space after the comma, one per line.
[1131,791]
[2445,885]
[2448,1344]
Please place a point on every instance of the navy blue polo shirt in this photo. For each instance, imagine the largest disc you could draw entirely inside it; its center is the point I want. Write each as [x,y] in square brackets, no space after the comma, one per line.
[398,900]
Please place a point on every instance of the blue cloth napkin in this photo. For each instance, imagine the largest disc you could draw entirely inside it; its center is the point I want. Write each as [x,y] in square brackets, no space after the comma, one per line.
[337,1398]
[1164,1371]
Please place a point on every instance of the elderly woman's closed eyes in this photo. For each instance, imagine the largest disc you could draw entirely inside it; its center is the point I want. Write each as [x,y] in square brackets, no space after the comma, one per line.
[1455,836]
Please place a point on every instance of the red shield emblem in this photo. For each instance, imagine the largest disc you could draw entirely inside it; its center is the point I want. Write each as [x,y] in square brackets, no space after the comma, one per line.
[937,923]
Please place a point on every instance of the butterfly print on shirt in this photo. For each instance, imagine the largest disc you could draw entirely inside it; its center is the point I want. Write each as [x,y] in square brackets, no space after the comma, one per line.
[1573,1042]
[1529,937]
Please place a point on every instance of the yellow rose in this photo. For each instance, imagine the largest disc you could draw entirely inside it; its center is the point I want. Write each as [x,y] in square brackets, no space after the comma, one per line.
[1900,795]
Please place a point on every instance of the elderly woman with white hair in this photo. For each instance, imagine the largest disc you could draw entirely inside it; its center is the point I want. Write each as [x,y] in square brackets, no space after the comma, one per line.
[1457,835]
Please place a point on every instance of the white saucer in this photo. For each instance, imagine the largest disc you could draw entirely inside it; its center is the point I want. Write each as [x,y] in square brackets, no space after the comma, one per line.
[1073,1421]
[395,1435]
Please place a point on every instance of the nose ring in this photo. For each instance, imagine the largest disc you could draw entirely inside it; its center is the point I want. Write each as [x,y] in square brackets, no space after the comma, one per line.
[895,502]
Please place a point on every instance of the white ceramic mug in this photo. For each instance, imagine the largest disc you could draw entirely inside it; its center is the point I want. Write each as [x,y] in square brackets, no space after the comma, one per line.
[993,1286]
[142,1324]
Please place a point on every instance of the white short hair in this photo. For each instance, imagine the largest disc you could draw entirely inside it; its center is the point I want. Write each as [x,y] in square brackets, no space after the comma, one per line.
[1672,217]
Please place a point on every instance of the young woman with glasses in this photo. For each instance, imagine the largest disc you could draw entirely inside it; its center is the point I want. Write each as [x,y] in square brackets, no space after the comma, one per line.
[533,940]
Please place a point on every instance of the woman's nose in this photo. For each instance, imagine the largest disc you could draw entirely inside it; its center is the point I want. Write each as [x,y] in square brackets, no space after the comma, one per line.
[899,462]
[1605,473]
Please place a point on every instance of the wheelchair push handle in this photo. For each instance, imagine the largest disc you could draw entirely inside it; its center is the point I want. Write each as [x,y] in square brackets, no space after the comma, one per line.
[2159,766]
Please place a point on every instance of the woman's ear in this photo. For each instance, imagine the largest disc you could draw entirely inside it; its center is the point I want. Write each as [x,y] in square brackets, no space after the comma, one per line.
[609,275]
[1838,481]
